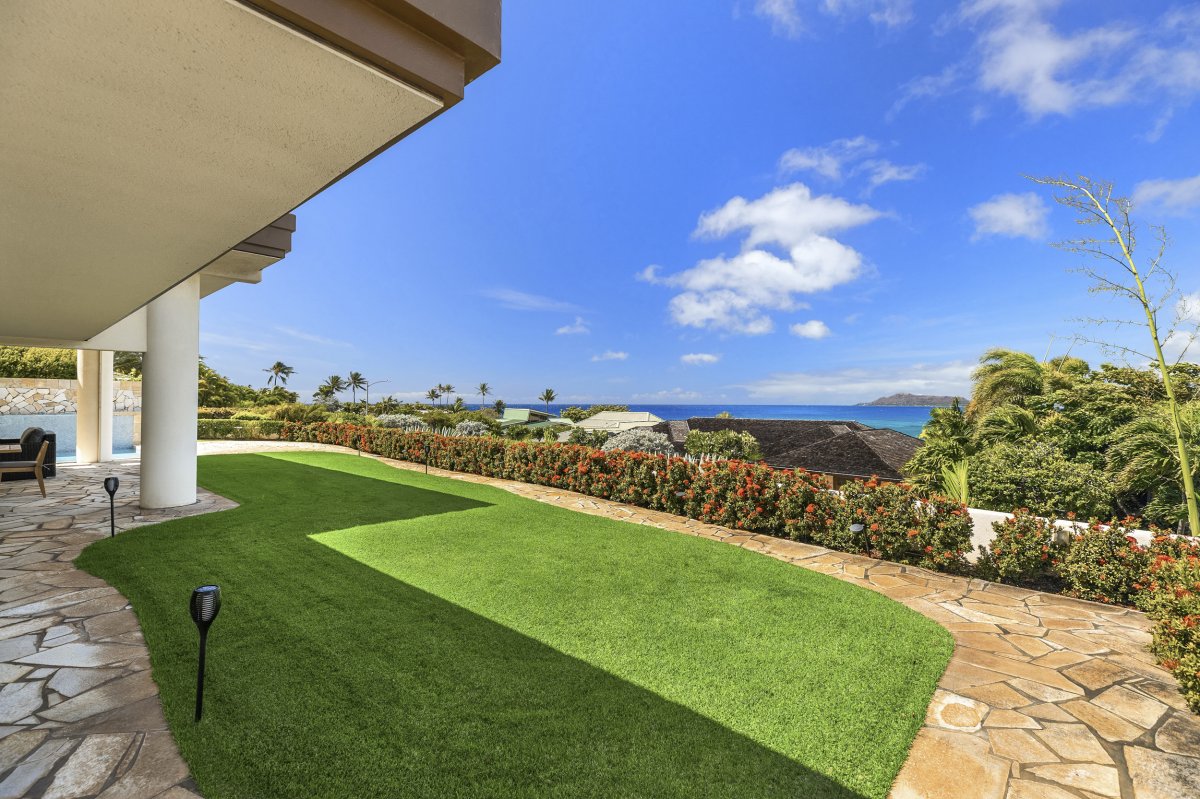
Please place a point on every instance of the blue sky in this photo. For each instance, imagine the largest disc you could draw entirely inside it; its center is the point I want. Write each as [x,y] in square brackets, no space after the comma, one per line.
[811,201]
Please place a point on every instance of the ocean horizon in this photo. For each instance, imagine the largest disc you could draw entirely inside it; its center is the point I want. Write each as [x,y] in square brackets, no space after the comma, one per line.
[907,419]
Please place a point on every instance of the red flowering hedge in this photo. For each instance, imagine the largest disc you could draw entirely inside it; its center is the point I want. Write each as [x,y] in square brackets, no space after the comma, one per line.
[896,524]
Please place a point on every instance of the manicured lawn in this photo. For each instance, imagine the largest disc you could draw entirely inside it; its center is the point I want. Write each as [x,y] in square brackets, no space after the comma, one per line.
[387,633]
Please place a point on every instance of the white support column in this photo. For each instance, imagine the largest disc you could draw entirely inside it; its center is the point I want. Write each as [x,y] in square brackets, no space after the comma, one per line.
[169,384]
[94,406]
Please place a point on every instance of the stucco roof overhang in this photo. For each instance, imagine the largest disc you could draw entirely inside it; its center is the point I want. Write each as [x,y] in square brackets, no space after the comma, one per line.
[141,141]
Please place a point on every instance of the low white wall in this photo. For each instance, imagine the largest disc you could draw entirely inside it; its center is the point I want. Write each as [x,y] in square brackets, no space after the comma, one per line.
[983,533]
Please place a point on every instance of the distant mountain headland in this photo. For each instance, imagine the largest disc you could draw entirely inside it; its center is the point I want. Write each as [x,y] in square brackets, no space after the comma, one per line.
[924,400]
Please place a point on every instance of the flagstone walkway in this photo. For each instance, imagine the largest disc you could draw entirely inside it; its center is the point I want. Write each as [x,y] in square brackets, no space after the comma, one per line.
[79,712]
[1045,696]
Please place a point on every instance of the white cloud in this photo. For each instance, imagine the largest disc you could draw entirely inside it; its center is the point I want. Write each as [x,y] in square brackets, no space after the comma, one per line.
[667,395]
[828,161]
[521,301]
[783,16]
[814,329]
[578,327]
[861,385]
[734,293]
[844,158]
[699,358]
[235,342]
[882,171]
[926,87]
[1047,70]
[1171,195]
[610,355]
[312,338]
[1188,308]
[888,13]
[786,21]
[1011,215]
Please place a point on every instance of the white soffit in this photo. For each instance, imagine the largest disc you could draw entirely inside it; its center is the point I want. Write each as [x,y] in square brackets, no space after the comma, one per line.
[140,140]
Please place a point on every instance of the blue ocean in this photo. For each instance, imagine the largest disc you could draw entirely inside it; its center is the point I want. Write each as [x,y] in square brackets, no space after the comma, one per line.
[906,419]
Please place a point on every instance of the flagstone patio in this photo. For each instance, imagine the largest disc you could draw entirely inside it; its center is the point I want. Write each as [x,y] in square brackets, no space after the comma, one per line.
[79,712]
[1045,696]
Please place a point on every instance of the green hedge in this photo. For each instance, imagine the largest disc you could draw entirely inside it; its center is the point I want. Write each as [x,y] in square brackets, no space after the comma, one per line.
[890,520]
[238,430]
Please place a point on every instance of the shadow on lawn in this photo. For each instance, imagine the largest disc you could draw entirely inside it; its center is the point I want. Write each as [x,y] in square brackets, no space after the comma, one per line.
[331,679]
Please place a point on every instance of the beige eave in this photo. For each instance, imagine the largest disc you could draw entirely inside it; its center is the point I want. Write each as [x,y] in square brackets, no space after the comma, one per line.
[141,141]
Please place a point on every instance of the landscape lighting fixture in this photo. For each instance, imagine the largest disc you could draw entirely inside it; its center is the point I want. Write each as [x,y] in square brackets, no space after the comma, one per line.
[111,484]
[206,604]
[857,527]
[426,457]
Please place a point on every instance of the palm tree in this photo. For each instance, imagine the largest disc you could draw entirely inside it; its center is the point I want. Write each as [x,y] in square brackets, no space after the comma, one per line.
[1144,459]
[356,382]
[335,385]
[280,372]
[548,397]
[433,393]
[484,389]
[499,406]
[1007,423]
[1007,377]
[447,390]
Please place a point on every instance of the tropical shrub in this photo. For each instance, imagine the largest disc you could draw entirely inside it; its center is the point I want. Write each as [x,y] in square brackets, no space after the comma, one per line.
[640,440]
[403,421]
[723,444]
[238,430]
[248,416]
[440,419]
[1144,462]
[41,362]
[1104,563]
[471,428]
[1038,477]
[297,412]
[588,438]
[1024,547]
[578,414]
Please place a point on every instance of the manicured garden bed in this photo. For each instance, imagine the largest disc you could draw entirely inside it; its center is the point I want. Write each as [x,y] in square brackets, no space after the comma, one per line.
[387,633]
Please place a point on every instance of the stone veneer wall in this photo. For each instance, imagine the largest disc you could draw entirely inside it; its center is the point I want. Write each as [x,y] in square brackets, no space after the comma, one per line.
[32,395]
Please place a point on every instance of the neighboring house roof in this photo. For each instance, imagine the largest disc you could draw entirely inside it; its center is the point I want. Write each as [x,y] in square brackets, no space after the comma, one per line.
[530,417]
[617,421]
[843,448]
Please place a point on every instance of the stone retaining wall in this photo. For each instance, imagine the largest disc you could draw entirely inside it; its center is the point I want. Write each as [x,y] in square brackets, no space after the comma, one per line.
[34,395]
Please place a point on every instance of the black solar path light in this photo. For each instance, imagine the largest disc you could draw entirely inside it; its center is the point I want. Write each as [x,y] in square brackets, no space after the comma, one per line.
[426,457]
[111,484]
[206,604]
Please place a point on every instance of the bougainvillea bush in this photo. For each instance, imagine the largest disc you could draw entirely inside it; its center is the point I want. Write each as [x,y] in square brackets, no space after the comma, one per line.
[740,495]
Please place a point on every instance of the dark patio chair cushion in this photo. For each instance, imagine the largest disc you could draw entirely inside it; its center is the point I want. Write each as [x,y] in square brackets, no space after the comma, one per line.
[31,441]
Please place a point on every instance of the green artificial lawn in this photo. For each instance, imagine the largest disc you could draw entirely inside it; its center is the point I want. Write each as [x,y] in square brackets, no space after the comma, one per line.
[388,633]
